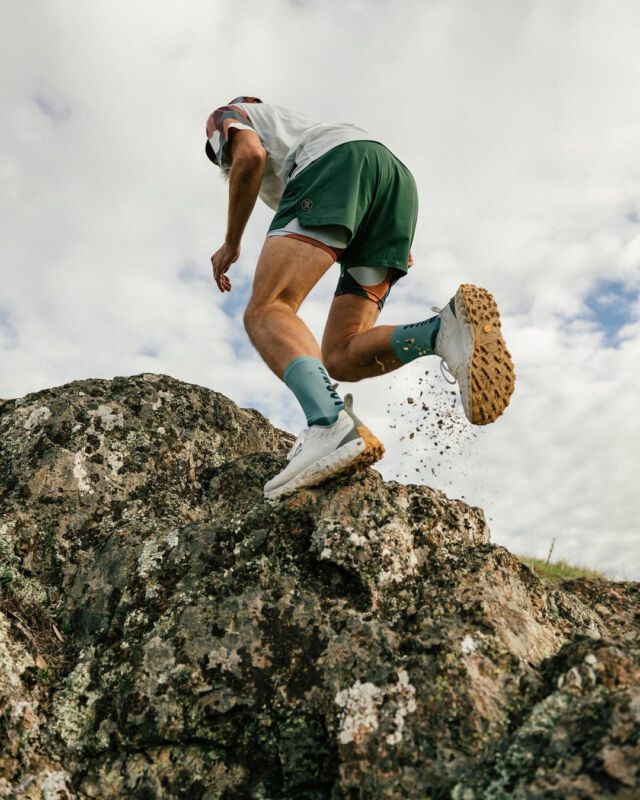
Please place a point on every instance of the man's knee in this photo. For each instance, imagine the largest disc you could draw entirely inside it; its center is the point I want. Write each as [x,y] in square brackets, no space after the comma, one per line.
[257,311]
[339,367]
[255,315]
[251,316]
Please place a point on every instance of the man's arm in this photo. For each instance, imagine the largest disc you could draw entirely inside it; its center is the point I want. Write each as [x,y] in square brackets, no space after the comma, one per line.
[248,158]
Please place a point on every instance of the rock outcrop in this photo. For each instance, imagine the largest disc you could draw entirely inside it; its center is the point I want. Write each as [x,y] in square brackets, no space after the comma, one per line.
[165,632]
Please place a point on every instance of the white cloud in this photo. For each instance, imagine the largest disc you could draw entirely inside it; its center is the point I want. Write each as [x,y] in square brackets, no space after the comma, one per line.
[519,121]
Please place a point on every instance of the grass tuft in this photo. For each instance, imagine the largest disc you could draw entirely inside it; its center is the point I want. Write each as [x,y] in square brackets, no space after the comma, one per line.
[557,571]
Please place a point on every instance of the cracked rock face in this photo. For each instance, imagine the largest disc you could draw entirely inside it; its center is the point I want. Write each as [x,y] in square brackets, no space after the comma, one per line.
[165,632]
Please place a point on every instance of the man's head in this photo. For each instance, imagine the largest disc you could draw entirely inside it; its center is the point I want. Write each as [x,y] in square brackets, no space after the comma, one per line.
[242,99]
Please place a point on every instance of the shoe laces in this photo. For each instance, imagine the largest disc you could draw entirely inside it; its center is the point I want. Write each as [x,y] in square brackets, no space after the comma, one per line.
[298,442]
[447,374]
[313,431]
[318,430]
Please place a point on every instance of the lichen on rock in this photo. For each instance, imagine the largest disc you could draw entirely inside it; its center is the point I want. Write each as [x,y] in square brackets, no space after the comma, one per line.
[165,632]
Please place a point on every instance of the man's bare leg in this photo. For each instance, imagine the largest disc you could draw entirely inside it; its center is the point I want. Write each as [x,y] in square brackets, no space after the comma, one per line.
[336,439]
[352,347]
[287,271]
[468,337]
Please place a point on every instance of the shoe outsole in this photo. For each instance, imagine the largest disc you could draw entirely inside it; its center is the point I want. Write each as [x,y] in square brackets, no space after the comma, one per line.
[492,376]
[353,456]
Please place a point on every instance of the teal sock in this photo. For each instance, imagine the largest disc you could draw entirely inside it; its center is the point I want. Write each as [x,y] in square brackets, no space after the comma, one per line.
[418,339]
[308,380]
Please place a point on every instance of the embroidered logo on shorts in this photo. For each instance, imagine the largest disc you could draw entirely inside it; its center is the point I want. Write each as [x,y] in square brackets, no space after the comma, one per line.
[307,204]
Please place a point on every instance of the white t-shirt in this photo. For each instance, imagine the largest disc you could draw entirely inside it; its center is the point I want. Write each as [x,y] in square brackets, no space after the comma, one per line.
[292,141]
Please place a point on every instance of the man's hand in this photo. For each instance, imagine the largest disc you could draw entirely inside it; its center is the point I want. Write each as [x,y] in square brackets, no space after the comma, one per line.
[221,260]
[410,262]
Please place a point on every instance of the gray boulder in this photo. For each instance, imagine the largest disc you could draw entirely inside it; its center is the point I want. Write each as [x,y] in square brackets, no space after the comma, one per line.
[165,632]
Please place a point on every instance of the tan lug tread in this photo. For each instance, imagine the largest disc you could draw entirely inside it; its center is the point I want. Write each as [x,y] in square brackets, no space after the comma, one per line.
[374,449]
[492,378]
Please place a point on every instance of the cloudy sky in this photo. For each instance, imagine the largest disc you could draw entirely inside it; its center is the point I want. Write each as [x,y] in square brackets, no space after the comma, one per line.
[520,120]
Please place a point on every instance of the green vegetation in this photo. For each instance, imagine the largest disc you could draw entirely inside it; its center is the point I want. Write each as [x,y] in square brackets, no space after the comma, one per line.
[557,571]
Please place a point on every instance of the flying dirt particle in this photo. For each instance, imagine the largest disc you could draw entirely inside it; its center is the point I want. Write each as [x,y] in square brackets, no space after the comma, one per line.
[426,423]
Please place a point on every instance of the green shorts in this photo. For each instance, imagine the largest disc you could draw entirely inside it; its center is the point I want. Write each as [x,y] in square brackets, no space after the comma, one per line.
[364,188]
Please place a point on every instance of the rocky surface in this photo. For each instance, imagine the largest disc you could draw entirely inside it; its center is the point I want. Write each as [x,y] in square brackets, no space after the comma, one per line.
[167,633]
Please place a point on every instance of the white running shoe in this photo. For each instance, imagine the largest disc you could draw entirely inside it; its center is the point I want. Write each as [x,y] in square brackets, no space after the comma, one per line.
[322,451]
[471,346]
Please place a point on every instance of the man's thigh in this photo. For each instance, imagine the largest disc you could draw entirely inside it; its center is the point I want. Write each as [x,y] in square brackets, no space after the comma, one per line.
[349,315]
[287,271]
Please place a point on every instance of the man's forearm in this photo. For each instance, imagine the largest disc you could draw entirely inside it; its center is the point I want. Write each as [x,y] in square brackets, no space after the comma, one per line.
[244,184]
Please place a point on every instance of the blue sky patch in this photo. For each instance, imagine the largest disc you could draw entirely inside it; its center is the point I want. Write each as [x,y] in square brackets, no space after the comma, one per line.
[191,272]
[56,110]
[236,300]
[8,330]
[610,305]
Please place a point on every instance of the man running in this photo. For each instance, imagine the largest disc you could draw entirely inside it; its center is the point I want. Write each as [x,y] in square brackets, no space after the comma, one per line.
[340,195]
